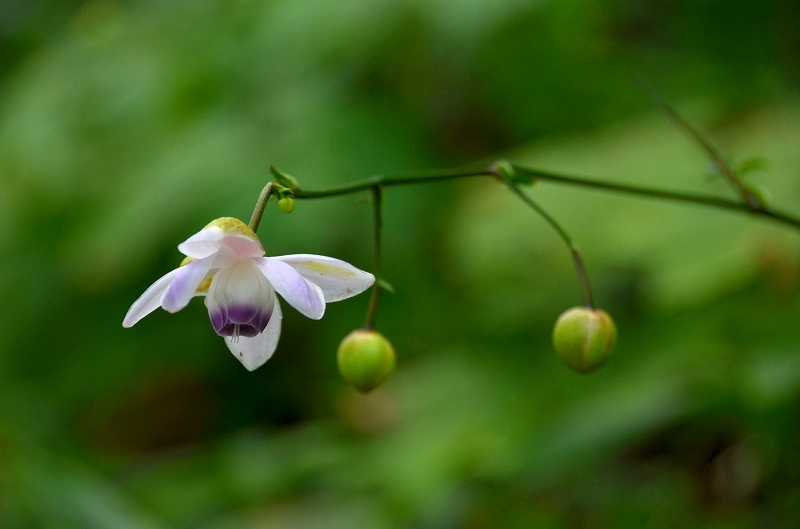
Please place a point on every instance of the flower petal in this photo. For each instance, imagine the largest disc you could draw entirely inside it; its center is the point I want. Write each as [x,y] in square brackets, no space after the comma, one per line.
[240,298]
[253,352]
[203,243]
[337,279]
[224,232]
[299,292]
[150,300]
[244,246]
[185,284]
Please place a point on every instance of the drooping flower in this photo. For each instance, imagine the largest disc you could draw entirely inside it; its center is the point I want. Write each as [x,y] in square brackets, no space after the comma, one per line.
[225,263]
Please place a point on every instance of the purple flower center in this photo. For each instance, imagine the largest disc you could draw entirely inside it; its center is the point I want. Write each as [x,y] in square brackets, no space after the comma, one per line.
[240,320]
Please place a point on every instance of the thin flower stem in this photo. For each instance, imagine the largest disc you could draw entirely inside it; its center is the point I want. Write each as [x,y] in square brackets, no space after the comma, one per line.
[576,256]
[372,312]
[704,200]
[258,212]
[421,177]
[523,175]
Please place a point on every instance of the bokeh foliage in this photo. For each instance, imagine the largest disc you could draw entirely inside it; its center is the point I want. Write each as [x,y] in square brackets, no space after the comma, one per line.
[127,126]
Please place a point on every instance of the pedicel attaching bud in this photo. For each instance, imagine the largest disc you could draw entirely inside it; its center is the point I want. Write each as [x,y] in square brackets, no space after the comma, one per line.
[584,338]
[366,359]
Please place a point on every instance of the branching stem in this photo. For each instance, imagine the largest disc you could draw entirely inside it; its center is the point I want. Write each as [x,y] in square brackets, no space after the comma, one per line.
[722,165]
[526,176]
[513,177]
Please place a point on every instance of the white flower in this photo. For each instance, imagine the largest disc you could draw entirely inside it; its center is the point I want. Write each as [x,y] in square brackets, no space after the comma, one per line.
[225,263]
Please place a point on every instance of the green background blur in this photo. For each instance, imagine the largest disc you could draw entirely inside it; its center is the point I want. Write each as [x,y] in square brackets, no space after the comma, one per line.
[125,127]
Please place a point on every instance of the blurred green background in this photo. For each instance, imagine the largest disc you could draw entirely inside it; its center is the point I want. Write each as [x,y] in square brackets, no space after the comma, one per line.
[127,126]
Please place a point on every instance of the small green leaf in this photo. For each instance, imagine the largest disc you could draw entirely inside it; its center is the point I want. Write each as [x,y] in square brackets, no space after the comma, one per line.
[385,285]
[754,163]
[283,178]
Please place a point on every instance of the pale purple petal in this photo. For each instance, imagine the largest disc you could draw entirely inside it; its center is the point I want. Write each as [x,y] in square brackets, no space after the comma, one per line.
[240,300]
[211,239]
[185,284]
[224,257]
[244,246]
[204,243]
[300,293]
[150,300]
[253,352]
[337,279]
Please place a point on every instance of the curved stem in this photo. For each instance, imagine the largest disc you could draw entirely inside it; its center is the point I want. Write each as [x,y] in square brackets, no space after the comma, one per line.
[576,256]
[377,197]
[261,203]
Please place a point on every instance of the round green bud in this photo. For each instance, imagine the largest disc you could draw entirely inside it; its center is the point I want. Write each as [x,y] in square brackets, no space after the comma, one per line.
[584,338]
[366,359]
[286,204]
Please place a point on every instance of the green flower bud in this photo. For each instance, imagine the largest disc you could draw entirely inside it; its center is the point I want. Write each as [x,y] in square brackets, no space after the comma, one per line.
[286,204]
[366,359]
[584,338]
